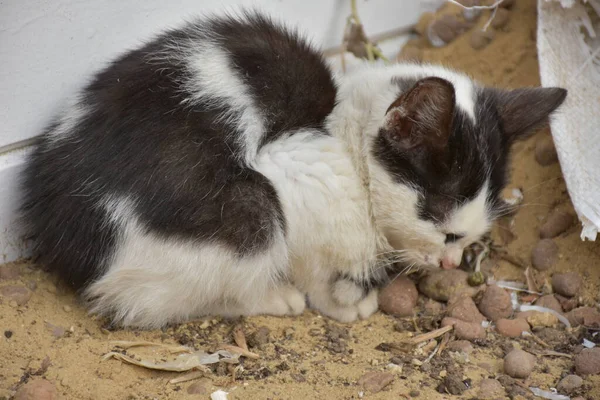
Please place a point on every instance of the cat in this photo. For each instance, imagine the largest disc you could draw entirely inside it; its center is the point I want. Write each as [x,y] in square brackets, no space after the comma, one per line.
[223,169]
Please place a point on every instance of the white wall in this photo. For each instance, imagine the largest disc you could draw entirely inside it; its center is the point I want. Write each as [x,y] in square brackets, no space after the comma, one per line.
[49,47]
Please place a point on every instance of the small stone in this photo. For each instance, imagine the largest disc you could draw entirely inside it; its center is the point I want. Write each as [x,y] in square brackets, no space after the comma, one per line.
[567,284]
[496,303]
[9,272]
[298,377]
[32,285]
[19,294]
[569,384]
[542,319]
[512,327]
[445,29]
[8,334]
[399,298]
[588,362]
[464,308]
[38,389]
[375,381]
[433,307]
[414,393]
[567,303]
[443,284]
[557,222]
[67,308]
[260,337]
[491,389]
[479,39]
[56,331]
[13,304]
[463,346]
[470,13]
[545,152]
[549,301]
[507,3]
[52,289]
[583,316]
[423,23]
[452,384]
[519,364]
[465,330]
[197,388]
[544,255]
[501,18]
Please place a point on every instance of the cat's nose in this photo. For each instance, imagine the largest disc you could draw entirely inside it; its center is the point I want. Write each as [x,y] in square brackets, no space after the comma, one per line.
[448,263]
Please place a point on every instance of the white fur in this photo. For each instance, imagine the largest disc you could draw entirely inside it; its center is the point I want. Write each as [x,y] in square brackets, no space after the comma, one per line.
[212,80]
[74,112]
[337,201]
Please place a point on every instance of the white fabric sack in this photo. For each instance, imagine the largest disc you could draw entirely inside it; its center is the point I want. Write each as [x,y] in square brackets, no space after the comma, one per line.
[569,57]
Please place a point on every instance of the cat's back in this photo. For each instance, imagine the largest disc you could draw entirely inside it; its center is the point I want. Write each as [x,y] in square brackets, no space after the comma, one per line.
[167,135]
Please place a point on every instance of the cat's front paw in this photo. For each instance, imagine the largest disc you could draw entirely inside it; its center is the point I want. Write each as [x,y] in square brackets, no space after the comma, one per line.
[346,306]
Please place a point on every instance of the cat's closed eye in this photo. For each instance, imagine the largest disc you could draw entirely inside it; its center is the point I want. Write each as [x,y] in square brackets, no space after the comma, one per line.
[453,237]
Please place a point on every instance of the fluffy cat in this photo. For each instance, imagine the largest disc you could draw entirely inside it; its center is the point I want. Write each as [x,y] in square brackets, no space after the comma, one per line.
[222,169]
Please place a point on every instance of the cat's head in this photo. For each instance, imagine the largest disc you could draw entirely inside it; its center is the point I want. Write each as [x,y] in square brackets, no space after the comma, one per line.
[439,162]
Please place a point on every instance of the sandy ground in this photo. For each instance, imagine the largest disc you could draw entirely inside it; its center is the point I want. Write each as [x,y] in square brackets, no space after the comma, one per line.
[310,357]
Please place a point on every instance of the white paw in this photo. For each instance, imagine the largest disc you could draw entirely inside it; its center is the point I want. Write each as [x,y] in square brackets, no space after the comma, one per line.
[369,305]
[329,306]
[286,300]
[346,292]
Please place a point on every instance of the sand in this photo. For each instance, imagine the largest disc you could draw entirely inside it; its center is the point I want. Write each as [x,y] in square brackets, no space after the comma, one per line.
[311,357]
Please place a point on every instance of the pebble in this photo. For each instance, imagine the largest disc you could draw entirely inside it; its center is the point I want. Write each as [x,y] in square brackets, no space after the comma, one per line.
[464,308]
[67,308]
[545,152]
[9,272]
[399,298]
[8,334]
[569,384]
[549,301]
[444,30]
[496,303]
[260,337]
[544,255]
[490,389]
[567,284]
[463,346]
[433,307]
[519,364]
[52,289]
[512,327]
[508,3]
[38,389]
[479,39]
[588,362]
[423,23]
[556,223]
[470,14]
[501,18]
[443,284]
[452,384]
[375,381]
[465,330]
[583,316]
[19,294]
[197,388]
[542,319]
[13,304]
[57,331]
[567,303]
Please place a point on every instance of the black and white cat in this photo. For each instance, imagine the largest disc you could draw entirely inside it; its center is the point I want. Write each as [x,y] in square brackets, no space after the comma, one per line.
[222,169]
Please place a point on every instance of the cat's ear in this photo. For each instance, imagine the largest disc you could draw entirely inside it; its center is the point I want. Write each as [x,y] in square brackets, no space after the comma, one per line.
[524,110]
[421,116]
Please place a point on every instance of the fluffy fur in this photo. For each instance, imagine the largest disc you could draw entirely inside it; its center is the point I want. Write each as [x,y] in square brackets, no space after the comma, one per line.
[222,169]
